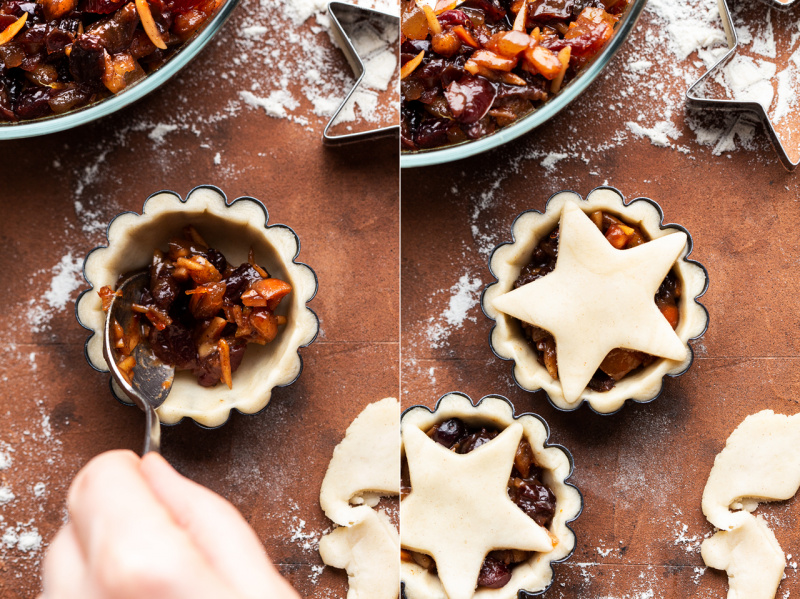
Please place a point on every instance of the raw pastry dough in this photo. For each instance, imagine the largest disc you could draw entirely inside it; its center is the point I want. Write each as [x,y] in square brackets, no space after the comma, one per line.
[370,552]
[760,462]
[364,466]
[508,260]
[367,460]
[459,509]
[233,228]
[445,514]
[598,298]
[751,556]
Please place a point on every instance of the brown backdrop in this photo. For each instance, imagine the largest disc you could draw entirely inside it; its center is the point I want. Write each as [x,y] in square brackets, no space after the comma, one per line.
[643,470]
[57,412]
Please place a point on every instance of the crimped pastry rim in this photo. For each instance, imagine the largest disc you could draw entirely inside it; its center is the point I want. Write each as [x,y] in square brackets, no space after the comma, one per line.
[418,583]
[508,343]
[247,214]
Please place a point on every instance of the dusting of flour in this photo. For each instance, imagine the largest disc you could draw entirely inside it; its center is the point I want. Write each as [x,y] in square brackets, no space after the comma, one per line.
[64,280]
[463,298]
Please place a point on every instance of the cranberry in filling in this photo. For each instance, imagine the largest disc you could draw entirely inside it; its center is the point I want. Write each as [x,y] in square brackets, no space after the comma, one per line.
[619,362]
[525,488]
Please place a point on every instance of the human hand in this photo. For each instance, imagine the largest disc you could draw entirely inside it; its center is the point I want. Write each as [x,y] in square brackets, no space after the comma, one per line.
[140,530]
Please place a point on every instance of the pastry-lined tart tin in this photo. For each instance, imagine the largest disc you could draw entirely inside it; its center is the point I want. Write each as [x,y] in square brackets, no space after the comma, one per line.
[508,341]
[232,228]
[534,576]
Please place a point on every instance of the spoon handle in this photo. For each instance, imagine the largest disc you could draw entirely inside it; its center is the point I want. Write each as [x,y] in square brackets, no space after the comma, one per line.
[152,437]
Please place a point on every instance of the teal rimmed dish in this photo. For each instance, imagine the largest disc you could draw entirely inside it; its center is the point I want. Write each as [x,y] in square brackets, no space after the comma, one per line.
[539,116]
[86,114]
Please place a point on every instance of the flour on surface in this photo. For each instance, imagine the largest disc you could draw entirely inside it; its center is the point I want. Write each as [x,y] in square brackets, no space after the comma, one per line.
[464,296]
[6,495]
[5,460]
[160,131]
[64,282]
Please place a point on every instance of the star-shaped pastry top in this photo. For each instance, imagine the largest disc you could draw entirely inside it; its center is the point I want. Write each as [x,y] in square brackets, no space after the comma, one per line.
[598,298]
[459,509]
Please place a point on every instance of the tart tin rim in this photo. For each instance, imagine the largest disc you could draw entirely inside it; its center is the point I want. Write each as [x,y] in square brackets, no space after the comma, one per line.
[521,593]
[183,200]
[662,226]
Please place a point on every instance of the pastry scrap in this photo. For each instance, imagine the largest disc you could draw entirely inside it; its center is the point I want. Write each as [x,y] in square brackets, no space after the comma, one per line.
[364,466]
[200,312]
[484,505]
[595,300]
[368,551]
[760,462]
[751,556]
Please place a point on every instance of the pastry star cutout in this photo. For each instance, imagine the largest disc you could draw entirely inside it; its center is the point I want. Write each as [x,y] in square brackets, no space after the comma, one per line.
[598,298]
[459,509]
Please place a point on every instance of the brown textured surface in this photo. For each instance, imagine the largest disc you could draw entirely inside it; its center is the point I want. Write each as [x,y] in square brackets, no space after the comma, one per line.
[643,470]
[343,204]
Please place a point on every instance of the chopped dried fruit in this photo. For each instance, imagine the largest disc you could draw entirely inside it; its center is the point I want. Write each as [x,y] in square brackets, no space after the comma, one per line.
[470,98]
[494,574]
[509,43]
[9,32]
[542,61]
[414,23]
[412,64]
[199,312]
[107,296]
[225,362]
[59,55]
[265,293]
[121,70]
[526,55]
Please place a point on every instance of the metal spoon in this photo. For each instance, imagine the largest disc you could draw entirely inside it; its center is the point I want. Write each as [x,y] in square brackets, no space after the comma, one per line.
[152,379]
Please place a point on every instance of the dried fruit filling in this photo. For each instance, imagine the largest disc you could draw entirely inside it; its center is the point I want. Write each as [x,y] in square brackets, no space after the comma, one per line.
[525,488]
[57,55]
[619,362]
[471,70]
[199,312]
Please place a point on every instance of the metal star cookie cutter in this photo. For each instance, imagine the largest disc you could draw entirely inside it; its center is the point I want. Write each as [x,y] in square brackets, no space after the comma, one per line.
[338,12]
[737,105]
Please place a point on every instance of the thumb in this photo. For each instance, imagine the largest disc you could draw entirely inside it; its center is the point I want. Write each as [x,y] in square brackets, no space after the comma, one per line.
[218,529]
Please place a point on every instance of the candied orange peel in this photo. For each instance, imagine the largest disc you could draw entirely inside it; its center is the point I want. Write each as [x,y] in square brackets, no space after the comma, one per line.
[9,32]
[149,24]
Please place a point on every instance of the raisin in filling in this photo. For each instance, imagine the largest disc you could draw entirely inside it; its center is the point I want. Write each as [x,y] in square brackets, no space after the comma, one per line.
[200,312]
[469,71]
[619,362]
[525,488]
